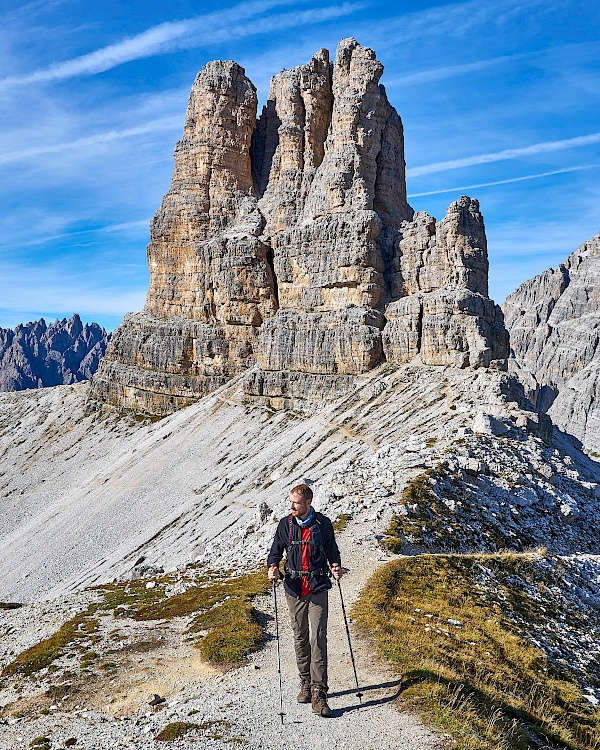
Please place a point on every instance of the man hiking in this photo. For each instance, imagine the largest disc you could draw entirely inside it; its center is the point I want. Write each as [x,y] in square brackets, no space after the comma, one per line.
[308,540]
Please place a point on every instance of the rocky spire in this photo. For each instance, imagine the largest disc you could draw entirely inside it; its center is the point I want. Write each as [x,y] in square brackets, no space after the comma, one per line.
[286,247]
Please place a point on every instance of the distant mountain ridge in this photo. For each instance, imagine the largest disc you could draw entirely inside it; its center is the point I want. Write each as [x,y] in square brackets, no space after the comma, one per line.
[36,355]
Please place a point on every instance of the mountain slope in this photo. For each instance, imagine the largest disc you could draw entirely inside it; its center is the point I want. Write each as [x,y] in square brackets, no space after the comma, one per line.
[85,495]
[554,325]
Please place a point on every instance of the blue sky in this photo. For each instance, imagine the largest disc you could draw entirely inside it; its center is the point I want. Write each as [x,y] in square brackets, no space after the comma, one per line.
[500,101]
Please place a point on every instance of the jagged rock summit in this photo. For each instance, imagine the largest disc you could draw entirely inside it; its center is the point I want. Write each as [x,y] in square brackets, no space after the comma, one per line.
[285,247]
[37,355]
[554,324]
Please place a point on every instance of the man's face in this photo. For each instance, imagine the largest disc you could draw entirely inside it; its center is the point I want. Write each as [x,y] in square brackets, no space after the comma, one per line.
[298,505]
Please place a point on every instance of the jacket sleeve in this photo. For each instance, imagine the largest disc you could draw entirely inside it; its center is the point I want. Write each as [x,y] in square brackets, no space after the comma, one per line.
[331,548]
[279,544]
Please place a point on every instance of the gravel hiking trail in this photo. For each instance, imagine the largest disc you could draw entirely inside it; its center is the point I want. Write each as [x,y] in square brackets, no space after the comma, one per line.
[240,706]
[252,693]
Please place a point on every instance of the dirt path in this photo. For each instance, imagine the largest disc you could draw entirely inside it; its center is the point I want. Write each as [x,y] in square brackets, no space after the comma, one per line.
[374,724]
[240,706]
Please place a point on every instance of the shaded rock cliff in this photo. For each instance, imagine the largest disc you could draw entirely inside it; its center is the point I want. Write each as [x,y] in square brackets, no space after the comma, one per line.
[36,355]
[554,324]
[285,247]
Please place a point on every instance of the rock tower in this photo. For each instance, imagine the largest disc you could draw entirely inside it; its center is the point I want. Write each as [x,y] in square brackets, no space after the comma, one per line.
[285,247]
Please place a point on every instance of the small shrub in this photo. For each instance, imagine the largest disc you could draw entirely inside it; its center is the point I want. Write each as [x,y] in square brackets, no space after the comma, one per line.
[58,692]
[175,730]
[341,521]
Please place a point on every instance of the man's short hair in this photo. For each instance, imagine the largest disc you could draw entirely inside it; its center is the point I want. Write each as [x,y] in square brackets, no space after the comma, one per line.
[303,490]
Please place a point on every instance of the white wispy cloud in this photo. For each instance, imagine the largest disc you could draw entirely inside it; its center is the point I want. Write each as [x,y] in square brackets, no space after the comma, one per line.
[449,71]
[506,182]
[450,22]
[155,126]
[549,57]
[127,226]
[506,154]
[210,28]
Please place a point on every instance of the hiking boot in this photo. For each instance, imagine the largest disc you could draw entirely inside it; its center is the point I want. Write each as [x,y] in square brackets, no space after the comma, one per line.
[304,694]
[319,703]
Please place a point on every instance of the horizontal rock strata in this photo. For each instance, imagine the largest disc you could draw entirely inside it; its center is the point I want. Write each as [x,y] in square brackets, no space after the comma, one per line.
[554,324]
[286,248]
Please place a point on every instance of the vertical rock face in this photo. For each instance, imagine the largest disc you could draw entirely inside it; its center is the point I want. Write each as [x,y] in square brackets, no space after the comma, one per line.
[205,260]
[211,283]
[37,355]
[441,278]
[286,247]
[554,324]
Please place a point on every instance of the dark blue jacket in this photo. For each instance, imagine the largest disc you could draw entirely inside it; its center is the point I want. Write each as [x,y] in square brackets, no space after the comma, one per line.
[323,551]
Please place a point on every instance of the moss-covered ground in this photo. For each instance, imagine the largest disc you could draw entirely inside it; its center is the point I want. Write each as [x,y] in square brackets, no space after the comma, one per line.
[464,659]
[221,606]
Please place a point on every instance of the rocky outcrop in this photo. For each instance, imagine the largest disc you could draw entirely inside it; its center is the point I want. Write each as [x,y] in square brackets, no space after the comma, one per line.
[286,248]
[441,278]
[211,284]
[554,324]
[36,355]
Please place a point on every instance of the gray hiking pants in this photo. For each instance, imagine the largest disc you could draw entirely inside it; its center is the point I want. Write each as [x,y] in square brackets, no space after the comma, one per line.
[311,652]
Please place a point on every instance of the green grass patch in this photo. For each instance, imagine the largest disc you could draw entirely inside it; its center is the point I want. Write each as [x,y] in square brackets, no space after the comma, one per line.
[478,680]
[42,654]
[418,493]
[234,632]
[126,598]
[341,521]
[88,659]
[220,604]
[175,730]
[212,729]
[223,606]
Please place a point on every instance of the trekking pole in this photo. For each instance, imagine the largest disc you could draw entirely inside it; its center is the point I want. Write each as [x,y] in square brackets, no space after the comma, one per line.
[358,693]
[278,654]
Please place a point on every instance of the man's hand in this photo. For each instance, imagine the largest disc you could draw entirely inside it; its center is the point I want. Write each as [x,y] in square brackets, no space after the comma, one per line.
[337,571]
[273,572]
